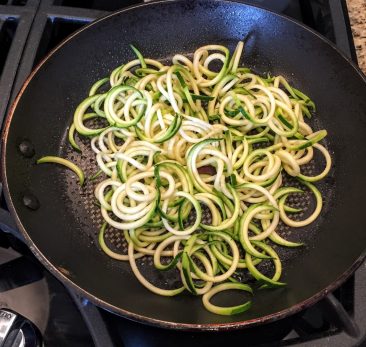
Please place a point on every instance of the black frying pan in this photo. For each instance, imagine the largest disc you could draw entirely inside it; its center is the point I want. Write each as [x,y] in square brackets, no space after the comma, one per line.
[57,218]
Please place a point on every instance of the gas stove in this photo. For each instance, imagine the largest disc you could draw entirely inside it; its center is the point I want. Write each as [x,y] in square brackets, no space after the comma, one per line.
[29,29]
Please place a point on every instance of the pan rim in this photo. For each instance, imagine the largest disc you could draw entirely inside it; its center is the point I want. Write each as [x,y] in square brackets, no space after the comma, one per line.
[122,312]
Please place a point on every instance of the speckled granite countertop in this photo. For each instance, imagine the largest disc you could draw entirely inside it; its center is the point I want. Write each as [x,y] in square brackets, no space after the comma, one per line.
[357,15]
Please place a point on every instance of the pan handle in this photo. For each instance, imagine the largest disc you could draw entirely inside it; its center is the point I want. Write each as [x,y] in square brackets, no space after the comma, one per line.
[18,331]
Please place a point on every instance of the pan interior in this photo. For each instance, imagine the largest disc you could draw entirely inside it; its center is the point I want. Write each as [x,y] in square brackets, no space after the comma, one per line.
[63,230]
[82,202]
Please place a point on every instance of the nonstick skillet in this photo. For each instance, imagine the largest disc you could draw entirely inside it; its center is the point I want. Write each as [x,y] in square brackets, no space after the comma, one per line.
[58,218]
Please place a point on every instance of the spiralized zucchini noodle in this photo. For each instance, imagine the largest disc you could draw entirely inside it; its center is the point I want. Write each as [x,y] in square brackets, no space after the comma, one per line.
[200,133]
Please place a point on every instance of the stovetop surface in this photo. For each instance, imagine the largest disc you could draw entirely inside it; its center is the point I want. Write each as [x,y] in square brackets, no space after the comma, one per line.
[29,29]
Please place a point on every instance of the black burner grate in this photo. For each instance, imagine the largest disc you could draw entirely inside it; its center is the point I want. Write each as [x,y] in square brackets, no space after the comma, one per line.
[8,28]
[15,24]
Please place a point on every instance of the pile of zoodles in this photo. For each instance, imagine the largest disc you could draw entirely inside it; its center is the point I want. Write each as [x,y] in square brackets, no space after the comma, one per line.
[199,134]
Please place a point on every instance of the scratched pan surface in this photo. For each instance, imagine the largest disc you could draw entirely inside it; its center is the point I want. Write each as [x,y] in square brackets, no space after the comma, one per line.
[62,230]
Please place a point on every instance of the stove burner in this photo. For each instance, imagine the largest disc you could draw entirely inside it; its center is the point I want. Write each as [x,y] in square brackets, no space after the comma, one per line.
[26,288]
[28,299]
